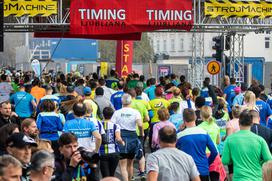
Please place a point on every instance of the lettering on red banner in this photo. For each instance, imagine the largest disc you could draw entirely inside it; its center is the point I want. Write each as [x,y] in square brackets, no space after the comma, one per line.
[114,17]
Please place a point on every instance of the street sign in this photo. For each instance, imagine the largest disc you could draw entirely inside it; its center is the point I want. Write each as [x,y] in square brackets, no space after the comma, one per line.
[213,67]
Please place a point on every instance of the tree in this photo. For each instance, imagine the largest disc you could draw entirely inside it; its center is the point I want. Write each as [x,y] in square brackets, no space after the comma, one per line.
[143,51]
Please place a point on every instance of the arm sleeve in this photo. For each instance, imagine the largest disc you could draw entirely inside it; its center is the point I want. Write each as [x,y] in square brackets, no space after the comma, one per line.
[266,155]
[152,164]
[212,148]
[39,122]
[59,125]
[226,156]
[154,136]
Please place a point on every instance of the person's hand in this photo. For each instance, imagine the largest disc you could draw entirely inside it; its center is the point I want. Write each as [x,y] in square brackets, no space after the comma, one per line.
[76,158]
[14,114]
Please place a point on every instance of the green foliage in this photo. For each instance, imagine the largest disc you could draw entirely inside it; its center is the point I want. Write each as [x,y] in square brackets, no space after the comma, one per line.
[143,51]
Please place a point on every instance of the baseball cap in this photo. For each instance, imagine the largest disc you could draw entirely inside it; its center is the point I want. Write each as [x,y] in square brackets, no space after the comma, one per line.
[87,90]
[19,140]
[140,85]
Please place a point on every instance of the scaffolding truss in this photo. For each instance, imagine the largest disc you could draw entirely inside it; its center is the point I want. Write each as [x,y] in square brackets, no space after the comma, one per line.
[198,60]
[202,23]
[237,57]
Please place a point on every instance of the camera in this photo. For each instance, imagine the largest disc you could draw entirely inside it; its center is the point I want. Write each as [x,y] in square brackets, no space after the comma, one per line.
[87,156]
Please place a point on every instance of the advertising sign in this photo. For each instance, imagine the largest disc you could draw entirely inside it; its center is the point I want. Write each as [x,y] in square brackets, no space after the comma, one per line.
[245,9]
[30,7]
[127,16]
[124,57]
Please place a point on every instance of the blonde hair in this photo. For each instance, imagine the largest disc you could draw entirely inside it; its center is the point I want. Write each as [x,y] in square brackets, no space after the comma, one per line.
[267,171]
[250,100]
[206,114]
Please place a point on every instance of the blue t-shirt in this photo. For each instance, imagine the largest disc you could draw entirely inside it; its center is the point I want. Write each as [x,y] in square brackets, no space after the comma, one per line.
[150,91]
[176,119]
[194,141]
[23,104]
[83,129]
[116,100]
[230,94]
[238,99]
[49,123]
[264,110]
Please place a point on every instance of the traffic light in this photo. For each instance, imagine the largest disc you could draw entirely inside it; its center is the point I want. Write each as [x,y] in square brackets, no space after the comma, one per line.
[218,47]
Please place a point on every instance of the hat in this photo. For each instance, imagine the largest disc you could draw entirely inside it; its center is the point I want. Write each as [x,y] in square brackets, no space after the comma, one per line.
[237,90]
[87,90]
[140,85]
[19,140]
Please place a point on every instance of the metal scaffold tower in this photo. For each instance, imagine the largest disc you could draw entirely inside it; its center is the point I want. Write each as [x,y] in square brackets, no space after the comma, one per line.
[198,60]
[237,57]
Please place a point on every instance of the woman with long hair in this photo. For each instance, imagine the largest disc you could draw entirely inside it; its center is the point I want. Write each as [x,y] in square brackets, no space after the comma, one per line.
[216,169]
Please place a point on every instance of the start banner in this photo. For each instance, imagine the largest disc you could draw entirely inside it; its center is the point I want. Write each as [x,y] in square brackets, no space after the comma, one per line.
[245,9]
[128,16]
[30,7]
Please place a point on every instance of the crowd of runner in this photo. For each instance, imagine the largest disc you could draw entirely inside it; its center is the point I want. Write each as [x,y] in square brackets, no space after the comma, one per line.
[72,127]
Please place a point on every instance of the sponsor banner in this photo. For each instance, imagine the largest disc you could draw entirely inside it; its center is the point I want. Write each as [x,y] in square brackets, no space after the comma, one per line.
[118,17]
[245,9]
[124,57]
[128,36]
[36,67]
[103,68]
[30,7]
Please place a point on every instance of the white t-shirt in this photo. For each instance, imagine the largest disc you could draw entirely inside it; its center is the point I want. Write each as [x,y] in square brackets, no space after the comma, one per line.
[145,97]
[126,118]
[184,105]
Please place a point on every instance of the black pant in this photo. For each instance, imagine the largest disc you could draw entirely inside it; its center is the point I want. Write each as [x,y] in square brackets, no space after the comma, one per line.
[214,176]
[108,164]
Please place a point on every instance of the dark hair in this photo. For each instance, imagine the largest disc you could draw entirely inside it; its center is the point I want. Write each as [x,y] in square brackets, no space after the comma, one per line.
[185,92]
[80,82]
[99,91]
[262,87]
[232,80]
[132,92]
[108,112]
[5,102]
[135,75]
[195,91]
[199,102]
[189,115]
[93,84]
[257,91]
[102,81]
[36,82]
[173,76]
[6,131]
[206,82]
[182,78]
[47,106]
[243,86]
[112,72]
[167,134]
[120,85]
[245,118]
[174,106]
[79,109]
[152,81]
[67,138]
[142,78]
[3,77]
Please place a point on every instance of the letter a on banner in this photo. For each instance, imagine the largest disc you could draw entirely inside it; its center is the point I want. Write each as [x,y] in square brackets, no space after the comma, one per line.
[124,57]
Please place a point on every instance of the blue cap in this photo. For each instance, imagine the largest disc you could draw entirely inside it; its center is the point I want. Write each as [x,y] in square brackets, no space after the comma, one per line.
[87,90]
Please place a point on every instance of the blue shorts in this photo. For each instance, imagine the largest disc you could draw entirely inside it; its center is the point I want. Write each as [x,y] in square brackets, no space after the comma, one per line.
[131,146]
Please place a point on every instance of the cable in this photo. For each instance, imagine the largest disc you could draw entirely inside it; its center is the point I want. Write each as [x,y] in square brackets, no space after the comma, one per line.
[54,50]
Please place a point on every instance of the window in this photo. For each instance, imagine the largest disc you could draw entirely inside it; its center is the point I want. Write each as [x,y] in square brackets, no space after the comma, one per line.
[158,45]
[173,45]
[267,42]
[164,46]
[181,44]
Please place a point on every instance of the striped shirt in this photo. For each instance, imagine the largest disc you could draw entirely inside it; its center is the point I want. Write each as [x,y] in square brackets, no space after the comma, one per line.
[110,145]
